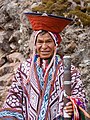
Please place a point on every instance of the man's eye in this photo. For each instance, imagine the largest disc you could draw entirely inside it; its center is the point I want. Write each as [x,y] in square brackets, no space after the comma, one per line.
[49,41]
[39,41]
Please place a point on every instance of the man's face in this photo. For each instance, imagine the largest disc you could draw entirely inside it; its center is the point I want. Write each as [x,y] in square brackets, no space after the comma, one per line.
[45,46]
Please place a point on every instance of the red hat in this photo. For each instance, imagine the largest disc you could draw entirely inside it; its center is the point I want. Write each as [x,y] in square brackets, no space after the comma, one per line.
[46,22]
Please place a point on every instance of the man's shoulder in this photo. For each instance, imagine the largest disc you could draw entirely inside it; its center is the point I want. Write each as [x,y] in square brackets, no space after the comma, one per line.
[26,62]
[25,66]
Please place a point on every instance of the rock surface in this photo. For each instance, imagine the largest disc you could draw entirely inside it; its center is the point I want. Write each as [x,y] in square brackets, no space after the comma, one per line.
[16,46]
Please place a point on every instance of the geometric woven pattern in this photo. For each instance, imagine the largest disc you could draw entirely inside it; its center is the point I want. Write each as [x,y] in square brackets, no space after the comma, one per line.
[25,96]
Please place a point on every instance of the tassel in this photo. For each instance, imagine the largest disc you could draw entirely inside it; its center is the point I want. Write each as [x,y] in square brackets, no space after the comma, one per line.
[75,107]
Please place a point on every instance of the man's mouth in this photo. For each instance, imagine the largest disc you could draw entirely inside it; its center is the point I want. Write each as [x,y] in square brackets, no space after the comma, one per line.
[45,52]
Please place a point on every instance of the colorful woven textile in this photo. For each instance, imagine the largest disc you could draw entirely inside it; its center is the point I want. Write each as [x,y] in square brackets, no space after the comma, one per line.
[36,96]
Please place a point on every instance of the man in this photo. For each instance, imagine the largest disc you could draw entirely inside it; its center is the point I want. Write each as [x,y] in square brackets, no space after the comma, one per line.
[37,90]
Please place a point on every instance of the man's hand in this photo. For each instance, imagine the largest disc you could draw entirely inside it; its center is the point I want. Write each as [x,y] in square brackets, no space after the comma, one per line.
[69,108]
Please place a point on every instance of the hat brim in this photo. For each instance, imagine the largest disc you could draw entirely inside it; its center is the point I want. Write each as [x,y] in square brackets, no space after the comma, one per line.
[50,23]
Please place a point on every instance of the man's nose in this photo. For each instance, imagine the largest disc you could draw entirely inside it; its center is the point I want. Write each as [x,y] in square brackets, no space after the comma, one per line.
[44,45]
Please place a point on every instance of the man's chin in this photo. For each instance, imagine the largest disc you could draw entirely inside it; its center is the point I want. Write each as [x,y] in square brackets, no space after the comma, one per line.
[45,57]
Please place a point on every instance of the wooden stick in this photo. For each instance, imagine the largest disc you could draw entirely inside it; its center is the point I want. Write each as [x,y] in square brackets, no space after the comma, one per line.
[67,82]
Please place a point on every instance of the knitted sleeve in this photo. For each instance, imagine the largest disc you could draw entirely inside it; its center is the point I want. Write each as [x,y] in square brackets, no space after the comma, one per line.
[78,96]
[77,86]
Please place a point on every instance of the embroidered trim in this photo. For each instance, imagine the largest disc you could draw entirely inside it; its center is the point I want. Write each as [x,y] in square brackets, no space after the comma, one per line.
[12,114]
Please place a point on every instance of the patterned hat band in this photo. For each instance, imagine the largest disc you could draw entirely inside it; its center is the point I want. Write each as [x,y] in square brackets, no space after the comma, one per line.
[56,37]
